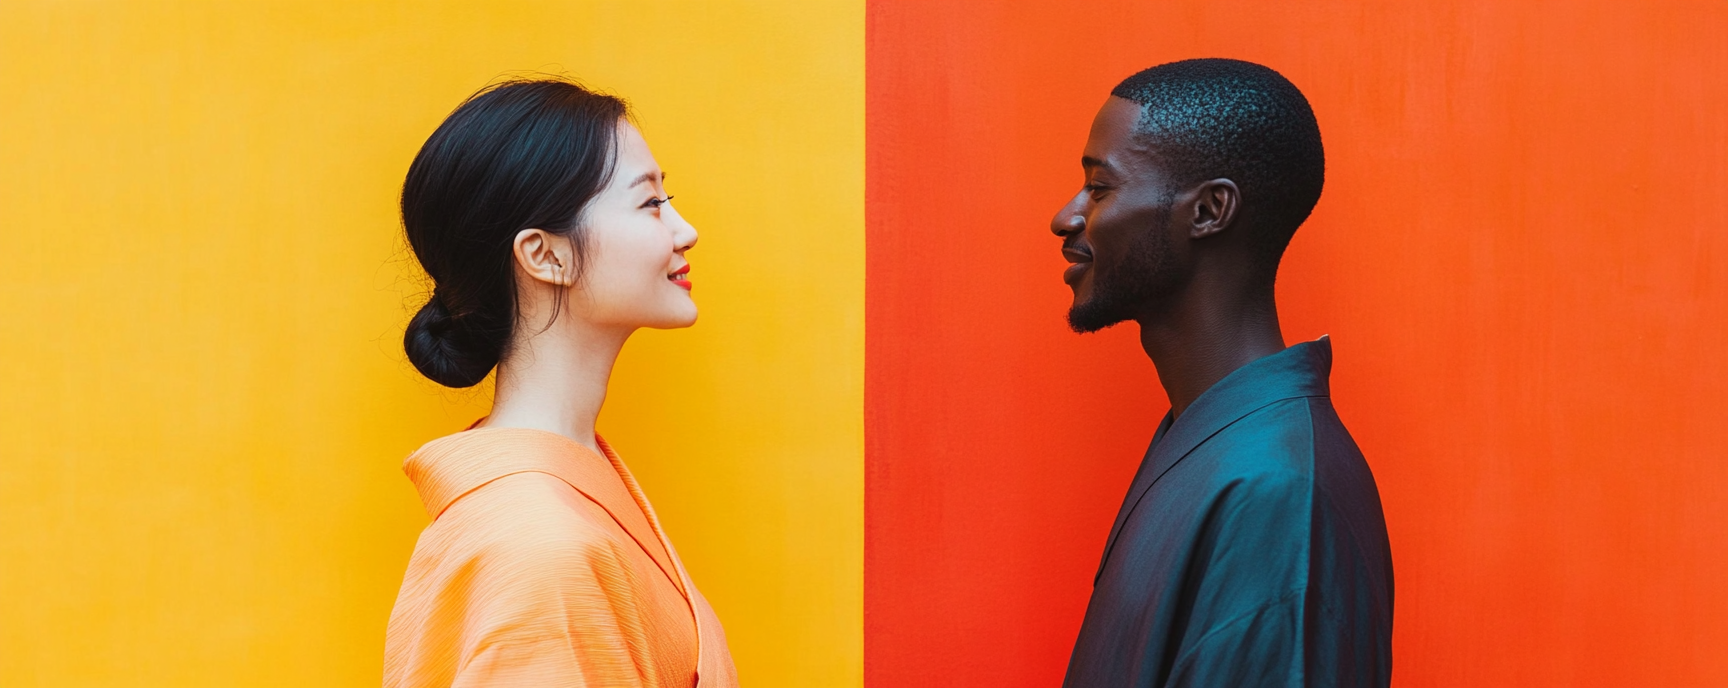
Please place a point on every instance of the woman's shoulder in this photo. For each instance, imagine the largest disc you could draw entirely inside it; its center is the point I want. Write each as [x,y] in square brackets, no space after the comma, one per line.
[515,563]
[522,524]
[530,510]
[507,484]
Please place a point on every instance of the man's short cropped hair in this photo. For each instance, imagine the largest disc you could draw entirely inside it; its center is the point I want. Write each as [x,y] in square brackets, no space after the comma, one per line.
[1218,118]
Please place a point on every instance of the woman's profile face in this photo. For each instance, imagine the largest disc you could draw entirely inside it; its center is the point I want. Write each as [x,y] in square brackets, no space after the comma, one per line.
[635,274]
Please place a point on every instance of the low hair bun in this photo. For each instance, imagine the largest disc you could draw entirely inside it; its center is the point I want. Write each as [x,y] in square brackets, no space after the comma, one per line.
[445,350]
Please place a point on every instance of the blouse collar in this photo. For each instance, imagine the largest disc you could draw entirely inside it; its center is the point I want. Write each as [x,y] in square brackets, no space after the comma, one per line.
[448,468]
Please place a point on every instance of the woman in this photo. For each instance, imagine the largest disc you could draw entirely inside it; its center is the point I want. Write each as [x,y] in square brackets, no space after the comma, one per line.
[543,221]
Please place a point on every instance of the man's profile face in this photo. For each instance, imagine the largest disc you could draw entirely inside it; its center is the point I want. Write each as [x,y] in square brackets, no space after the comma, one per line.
[1116,231]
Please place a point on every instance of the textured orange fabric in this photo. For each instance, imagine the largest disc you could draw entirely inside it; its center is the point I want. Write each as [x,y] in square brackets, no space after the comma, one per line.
[544,566]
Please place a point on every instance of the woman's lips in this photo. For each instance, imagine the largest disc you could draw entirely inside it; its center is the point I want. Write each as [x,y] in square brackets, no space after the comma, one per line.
[678,277]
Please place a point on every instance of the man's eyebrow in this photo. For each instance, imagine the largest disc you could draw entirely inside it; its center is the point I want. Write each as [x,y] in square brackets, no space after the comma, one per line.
[1090,162]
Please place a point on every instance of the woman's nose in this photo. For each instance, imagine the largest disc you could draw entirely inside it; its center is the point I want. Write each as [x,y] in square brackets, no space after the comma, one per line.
[683,233]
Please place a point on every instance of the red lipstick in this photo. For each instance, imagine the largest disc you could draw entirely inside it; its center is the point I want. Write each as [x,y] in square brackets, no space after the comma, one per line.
[678,277]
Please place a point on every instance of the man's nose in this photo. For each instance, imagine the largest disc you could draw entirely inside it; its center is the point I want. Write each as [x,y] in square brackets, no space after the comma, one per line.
[1067,221]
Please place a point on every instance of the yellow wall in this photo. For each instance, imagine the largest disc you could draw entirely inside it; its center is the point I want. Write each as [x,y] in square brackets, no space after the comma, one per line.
[202,288]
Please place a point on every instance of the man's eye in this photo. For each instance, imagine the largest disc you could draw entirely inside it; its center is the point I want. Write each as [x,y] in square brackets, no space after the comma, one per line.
[655,203]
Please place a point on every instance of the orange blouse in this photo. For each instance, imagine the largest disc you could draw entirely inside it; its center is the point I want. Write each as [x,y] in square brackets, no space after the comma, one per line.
[544,566]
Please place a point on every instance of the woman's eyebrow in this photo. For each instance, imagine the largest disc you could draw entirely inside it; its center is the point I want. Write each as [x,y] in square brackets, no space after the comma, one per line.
[647,177]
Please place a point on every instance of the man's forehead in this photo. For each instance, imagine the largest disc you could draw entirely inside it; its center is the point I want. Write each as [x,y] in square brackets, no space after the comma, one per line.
[1118,112]
[1112,134]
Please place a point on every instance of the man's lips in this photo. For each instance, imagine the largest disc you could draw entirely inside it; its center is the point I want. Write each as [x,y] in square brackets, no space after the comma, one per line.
[1081,260]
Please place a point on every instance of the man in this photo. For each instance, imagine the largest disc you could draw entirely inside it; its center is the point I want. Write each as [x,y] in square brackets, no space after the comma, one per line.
[1251,549]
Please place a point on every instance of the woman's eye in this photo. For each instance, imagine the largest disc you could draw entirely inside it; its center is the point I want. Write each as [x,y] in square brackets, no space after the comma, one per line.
[655,203]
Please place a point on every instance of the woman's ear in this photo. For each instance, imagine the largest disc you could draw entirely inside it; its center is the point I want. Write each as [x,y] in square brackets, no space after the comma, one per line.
[544,256]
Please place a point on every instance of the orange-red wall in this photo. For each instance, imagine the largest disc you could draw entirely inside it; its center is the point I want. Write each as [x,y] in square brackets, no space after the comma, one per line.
[1521,255]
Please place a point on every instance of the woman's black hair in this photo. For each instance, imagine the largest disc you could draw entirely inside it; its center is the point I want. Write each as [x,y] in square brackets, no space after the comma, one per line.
[523,154]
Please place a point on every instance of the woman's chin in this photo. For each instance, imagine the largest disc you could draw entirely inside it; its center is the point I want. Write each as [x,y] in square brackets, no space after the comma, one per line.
[675,321]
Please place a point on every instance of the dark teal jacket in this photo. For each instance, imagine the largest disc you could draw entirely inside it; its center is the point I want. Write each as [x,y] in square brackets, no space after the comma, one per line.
[1251,549]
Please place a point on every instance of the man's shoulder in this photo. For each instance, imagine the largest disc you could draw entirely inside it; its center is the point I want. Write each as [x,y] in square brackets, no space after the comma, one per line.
[1291,444]
[1292,450]
[1278,439]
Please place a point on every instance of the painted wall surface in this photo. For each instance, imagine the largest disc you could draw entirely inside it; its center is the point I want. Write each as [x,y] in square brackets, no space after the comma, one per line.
[204,288]
[1521,256]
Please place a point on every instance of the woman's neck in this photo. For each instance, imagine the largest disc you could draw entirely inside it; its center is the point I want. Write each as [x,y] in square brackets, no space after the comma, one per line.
[556,381]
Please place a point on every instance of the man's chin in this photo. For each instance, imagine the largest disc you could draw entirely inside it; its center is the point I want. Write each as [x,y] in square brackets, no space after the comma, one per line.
[1085,317]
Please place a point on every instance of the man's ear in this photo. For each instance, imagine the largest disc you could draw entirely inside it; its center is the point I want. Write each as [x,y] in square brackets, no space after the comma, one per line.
[1215,205]
[544,257]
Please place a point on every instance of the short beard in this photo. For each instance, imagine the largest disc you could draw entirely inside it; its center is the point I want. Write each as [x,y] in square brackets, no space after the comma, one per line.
[1123,291]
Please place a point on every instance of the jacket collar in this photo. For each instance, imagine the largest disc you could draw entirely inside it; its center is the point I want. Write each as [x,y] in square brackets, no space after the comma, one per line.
[1298,371]
[446,469]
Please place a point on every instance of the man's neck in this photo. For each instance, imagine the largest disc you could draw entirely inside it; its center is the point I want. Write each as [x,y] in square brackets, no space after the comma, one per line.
[1202,341]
